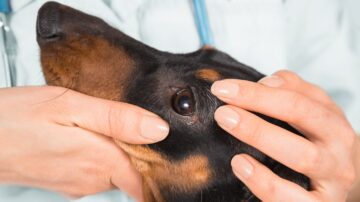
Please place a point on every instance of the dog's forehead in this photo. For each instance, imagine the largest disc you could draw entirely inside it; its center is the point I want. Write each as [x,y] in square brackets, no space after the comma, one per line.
[208,65]
[189,69]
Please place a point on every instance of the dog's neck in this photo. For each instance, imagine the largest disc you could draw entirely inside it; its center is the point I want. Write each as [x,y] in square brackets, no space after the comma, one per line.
[231,192]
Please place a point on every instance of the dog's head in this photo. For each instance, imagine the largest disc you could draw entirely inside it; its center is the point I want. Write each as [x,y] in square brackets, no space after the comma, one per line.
[83,53]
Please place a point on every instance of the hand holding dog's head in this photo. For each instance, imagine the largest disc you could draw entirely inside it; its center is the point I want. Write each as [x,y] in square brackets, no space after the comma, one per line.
[83,53]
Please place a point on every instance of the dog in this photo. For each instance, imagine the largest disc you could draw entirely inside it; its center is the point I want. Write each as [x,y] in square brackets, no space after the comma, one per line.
[83,53]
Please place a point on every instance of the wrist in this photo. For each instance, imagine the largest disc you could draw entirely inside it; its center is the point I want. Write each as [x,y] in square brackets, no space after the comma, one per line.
[7,156]
[6,176]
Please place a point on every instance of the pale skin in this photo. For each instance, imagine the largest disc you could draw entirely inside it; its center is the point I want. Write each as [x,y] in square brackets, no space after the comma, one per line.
[61,140]
[328,155]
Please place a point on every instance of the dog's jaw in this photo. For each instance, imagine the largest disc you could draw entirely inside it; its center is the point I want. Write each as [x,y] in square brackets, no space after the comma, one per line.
[160,174]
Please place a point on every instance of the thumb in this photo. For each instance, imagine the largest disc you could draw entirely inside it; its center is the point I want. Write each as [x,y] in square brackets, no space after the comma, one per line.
[126,122]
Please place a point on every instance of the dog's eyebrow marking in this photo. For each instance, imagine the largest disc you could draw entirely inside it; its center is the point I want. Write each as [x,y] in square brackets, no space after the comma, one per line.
[159,173]
[208,74]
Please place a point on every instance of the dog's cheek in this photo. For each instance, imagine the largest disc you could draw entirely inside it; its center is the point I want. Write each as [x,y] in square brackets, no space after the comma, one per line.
[186,176]
[106,71]
[90,65]
[58,65]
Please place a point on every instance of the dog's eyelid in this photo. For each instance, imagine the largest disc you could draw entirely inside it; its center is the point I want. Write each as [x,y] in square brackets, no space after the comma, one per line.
[180,88]
[173,88]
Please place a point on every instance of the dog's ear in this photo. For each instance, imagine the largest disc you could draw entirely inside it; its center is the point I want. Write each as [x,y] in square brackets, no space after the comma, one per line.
[212,54]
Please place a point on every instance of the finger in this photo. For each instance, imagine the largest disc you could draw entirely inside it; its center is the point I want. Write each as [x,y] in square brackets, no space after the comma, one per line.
[290,81]
[265,184]
[303,113]
[127,179]
[122,121]
[272,140]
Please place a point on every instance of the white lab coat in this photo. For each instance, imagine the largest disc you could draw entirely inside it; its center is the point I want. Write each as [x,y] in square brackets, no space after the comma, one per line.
[319,39]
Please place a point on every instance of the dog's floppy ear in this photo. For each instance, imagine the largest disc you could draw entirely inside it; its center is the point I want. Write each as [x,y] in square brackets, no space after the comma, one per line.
[212,54]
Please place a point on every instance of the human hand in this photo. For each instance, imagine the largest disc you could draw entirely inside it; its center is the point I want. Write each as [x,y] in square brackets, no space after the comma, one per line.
[326,156]
[57,139]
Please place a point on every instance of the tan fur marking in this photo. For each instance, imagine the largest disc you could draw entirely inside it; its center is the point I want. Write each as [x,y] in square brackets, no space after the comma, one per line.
[151,190]
[190,174]
[208,75]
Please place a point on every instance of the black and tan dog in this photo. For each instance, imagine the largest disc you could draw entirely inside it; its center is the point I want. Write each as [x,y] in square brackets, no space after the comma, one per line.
[82,52]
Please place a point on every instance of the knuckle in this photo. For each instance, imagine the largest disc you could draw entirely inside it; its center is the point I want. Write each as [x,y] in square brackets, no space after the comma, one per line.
[349,136]
[320,95]
[115,120]
[311,160]
[349,179]
[348,176]
[299,104]
[288,75]
[271,187]
[303,106]
[320,91]
[105,178]
[315,197]
[295,99]
[123,121]
[248,95]
[256,133]
[318,112]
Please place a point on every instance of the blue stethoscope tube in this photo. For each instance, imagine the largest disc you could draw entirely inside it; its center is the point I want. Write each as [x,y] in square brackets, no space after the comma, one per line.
[7,44]
[5,6]
[202,23]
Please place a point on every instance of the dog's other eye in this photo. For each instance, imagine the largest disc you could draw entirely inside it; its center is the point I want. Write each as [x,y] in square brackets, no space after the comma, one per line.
[183,102]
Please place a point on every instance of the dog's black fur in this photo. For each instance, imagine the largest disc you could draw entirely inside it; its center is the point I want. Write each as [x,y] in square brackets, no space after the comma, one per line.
[162,83]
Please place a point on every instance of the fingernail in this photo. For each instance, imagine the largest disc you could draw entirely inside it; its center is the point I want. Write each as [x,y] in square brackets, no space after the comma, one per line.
[226,89]
[226,117]
[153,128]
[272,81]
[242,167]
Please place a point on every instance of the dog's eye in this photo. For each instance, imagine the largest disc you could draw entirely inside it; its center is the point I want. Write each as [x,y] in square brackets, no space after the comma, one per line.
[183,102]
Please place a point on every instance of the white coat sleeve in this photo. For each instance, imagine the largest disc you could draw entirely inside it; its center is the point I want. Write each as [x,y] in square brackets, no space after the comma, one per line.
[320,47]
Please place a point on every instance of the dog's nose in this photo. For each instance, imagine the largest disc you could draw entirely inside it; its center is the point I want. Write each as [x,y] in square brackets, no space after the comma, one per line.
[48,22]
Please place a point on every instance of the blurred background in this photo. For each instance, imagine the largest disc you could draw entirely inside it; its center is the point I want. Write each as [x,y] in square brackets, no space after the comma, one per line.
[318,39]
